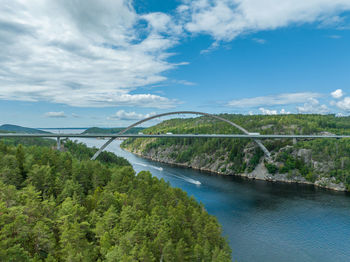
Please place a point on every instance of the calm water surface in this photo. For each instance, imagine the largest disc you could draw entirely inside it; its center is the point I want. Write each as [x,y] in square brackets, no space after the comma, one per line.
[263,221]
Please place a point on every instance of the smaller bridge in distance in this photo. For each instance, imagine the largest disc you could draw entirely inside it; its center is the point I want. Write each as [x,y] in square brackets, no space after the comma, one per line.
[115,136]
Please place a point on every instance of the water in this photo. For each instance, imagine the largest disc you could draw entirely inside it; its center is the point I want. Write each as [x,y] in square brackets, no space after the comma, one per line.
[263,221]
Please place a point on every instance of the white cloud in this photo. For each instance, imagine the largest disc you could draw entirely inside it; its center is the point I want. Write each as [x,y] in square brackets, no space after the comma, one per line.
[226,19]
[83,53]
[162,23]
[267,111]
[259,40]
[88,53]
[284,112]
[55,114]
[123,115]
[337,94]
[75,115]
[185,82]
[340,115]
[344,104]
[280,99]
[313,106]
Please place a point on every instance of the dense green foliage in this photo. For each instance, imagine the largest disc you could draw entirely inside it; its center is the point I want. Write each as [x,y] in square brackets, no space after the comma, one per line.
[322,158]
[97,130]
[60,206]
[82,152]
[28,141]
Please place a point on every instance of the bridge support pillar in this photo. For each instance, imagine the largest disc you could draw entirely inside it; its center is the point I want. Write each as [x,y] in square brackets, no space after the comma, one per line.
[58,143]
[295,141]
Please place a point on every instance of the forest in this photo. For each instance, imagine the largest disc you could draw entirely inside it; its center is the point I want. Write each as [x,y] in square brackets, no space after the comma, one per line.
[61,206]
[321,161]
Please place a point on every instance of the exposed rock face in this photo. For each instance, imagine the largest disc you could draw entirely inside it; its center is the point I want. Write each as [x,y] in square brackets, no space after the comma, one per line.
[305,154]
[218,163]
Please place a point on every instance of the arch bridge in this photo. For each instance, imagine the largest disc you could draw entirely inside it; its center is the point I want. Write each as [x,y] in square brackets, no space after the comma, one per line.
[258,142]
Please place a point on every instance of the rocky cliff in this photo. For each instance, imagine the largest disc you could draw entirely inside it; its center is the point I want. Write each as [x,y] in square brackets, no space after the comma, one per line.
[219,163]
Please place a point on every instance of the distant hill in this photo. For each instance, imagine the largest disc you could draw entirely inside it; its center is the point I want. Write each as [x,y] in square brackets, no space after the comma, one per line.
[21,129]
[98,130]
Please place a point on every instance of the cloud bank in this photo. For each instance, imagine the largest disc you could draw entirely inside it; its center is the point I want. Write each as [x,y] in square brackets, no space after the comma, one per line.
[88,53]
[303,103]
[226,19]
[82,53]
[344,104]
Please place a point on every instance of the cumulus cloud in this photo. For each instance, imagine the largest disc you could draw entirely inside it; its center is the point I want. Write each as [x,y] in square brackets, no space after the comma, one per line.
[280,99]
[344,104]
[226,19]
[83,53]
[284,112]
[267,111]
[337,94]
[55,114]
[313,106]
[340,114]
[123,115]
[162,23]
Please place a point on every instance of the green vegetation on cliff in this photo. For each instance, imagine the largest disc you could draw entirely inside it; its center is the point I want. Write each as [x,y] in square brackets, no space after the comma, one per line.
[60,206]
[325,162]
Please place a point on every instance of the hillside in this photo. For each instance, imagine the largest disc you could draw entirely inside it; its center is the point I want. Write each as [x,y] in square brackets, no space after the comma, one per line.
[60,206]
[21,129]
[26,140]
[98,130]
[323,162]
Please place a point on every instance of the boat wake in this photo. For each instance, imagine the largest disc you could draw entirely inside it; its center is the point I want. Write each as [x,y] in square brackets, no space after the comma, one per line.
[187,179]
[155,167]
[190,180]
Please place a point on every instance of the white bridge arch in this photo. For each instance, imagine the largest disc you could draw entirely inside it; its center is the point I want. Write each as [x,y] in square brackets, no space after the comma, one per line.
[258,142]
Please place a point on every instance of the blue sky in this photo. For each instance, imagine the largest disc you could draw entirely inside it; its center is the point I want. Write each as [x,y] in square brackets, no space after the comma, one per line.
[110,63]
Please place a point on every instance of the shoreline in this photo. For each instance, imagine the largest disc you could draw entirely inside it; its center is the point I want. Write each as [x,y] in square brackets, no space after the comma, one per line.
[270,178]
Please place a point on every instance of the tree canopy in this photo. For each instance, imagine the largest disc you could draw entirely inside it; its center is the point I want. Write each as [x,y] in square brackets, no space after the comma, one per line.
[60,206]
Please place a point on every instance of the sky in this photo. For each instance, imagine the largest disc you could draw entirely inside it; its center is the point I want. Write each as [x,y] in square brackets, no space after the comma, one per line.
[109,63]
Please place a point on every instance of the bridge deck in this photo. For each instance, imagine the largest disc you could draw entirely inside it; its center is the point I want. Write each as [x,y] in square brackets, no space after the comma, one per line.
[171,136]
